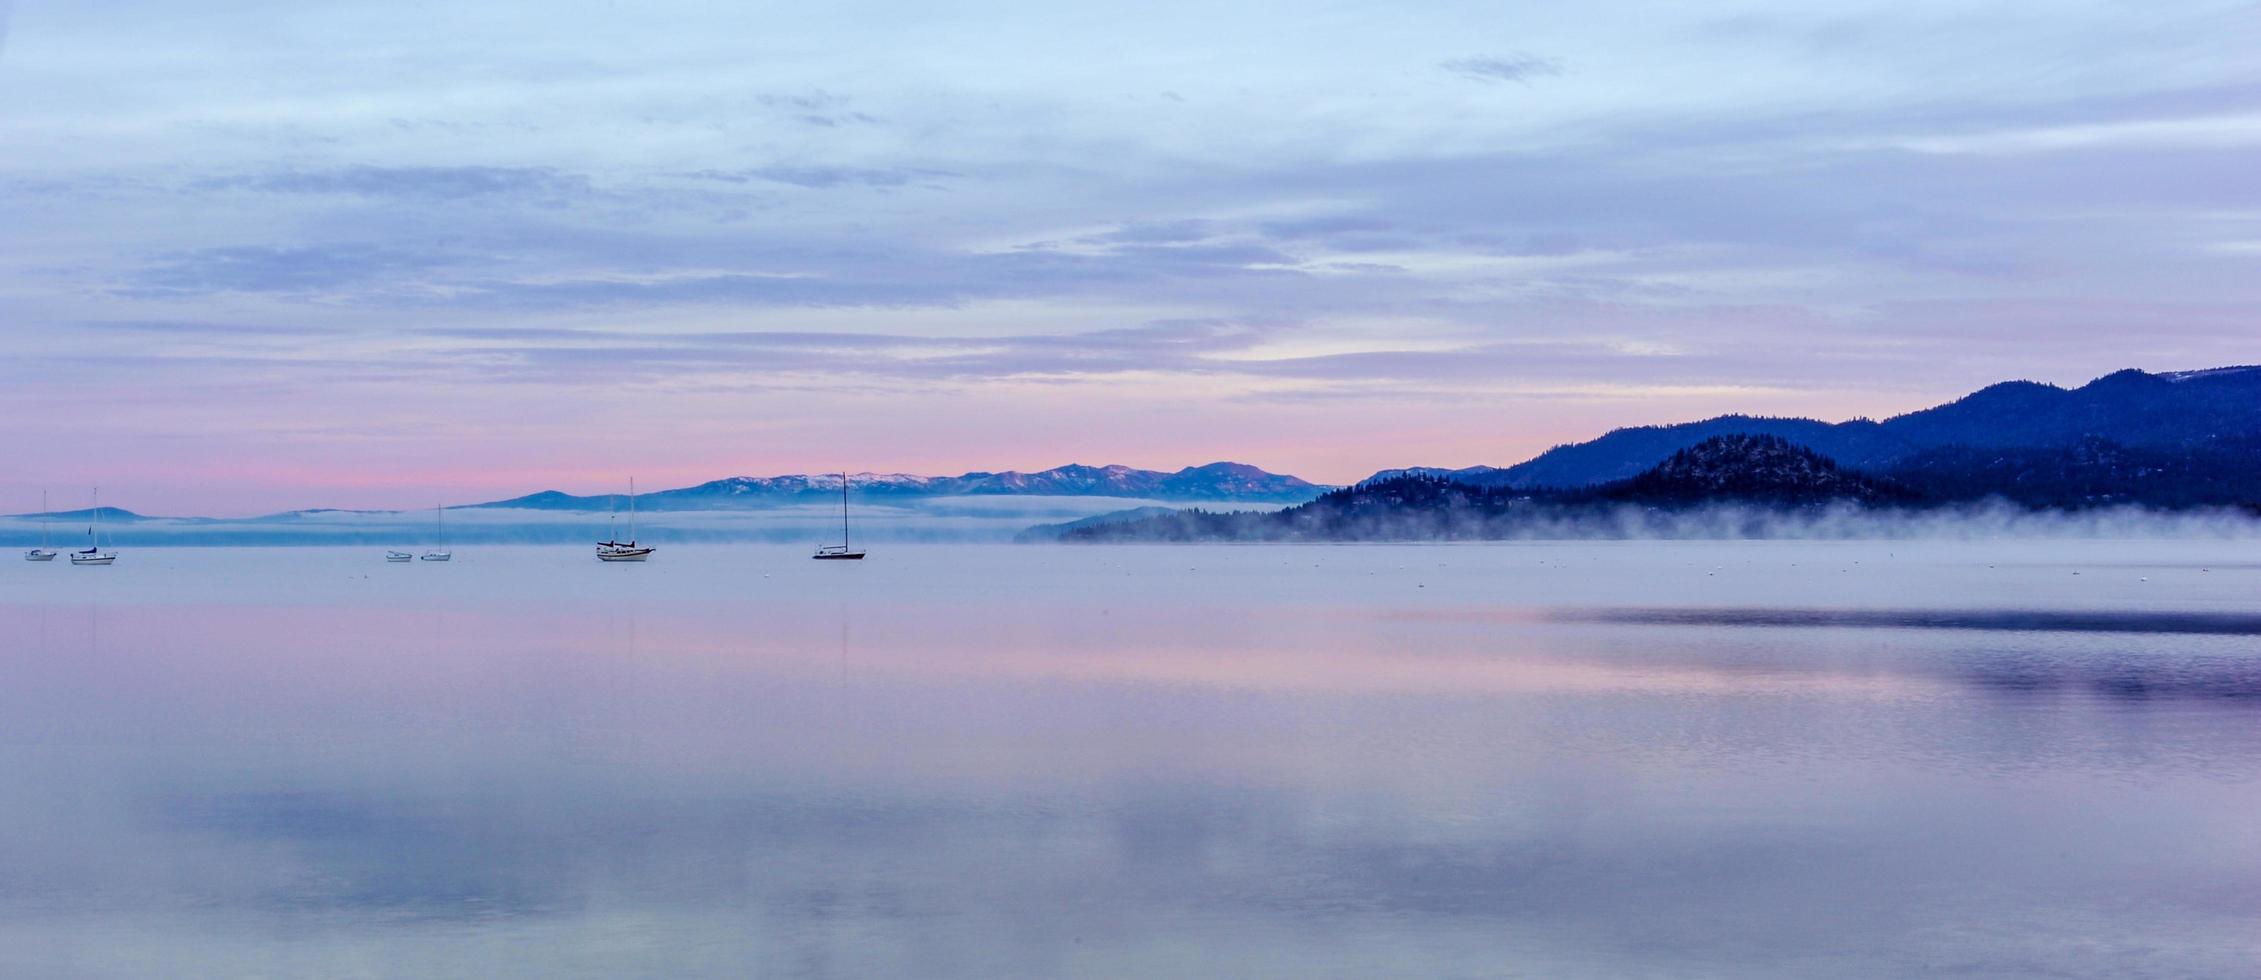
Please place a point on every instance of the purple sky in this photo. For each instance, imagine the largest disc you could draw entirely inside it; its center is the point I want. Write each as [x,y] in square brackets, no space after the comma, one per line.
[263,254]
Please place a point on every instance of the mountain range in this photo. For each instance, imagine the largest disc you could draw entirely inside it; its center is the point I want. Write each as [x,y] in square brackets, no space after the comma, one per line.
[2176,441]
[1222,482]
[1735,485]
[2216,410]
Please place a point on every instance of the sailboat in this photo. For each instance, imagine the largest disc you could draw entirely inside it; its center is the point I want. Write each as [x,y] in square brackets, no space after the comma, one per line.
[841,551]
[614,549]
[43,552]
[94,555]
[399,556]
[439,517]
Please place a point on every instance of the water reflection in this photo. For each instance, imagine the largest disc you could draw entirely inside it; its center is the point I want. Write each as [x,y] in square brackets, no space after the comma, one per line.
[2018,620]
[855,776]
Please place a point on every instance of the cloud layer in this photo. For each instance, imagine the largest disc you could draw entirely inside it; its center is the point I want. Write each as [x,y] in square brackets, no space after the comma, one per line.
[369,255]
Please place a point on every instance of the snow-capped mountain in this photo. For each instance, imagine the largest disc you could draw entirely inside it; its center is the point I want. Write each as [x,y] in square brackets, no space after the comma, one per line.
[1213,482]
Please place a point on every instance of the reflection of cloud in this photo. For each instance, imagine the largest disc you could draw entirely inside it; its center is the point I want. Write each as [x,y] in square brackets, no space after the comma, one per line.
[2017,620]
[2128,680]
[1313,669]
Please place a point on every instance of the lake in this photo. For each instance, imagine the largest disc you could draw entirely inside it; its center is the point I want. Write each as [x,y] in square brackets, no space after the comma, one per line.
[1685,759]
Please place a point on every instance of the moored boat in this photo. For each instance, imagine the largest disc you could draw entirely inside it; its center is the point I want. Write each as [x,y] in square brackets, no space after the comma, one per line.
[439,552]
[43,552]
[614,549]
[94,555]
[841,551]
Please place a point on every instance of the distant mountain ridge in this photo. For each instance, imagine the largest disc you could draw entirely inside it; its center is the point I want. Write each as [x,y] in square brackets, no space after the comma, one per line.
[2179,410]
[1223,481]
[81,514]
[1761,473]
[1735,485]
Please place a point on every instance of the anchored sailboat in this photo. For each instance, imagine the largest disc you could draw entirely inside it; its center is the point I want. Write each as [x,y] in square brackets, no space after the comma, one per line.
[614,549]
[439,517]
[94,555]
[841,551]
[43,552]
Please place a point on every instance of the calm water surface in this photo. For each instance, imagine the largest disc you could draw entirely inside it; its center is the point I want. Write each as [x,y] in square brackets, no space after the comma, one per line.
[1628,759]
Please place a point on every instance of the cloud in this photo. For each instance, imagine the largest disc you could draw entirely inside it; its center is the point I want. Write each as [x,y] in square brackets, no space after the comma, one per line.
[820,176]
[1155,232]
[279,269]
[1737,189]
[1522,68]
[816,107]
[416,183]
[192,328]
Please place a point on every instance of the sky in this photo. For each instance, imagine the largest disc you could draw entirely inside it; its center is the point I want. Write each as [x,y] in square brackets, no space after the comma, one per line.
[268,254]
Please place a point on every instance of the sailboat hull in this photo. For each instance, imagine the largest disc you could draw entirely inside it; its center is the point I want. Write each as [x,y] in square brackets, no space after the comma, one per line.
[849,556]
[93,559]
[39,556]
[631,554]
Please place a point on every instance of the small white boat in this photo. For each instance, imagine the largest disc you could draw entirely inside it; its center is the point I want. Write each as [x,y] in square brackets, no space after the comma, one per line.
[399,556]
[43,552]
[94,555]
[439,553]
[841,551]
[614,549]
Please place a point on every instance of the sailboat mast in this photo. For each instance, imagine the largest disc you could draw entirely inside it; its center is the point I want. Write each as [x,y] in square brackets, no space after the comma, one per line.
[94,530]
[43,514]
[631,510]
[843,510]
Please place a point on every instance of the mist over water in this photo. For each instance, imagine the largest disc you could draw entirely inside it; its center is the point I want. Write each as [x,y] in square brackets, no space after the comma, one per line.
[997,519]
[1546,521]
[931,520]
[2003,758]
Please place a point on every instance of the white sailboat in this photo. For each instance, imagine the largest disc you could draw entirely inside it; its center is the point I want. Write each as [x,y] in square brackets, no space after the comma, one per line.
[841,551]
[439,517]
[614,549]
[399,556]
[43,552]
[94,555]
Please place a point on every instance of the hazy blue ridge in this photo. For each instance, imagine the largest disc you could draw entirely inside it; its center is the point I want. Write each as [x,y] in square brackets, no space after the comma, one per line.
[2184,411]
[1746,485]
